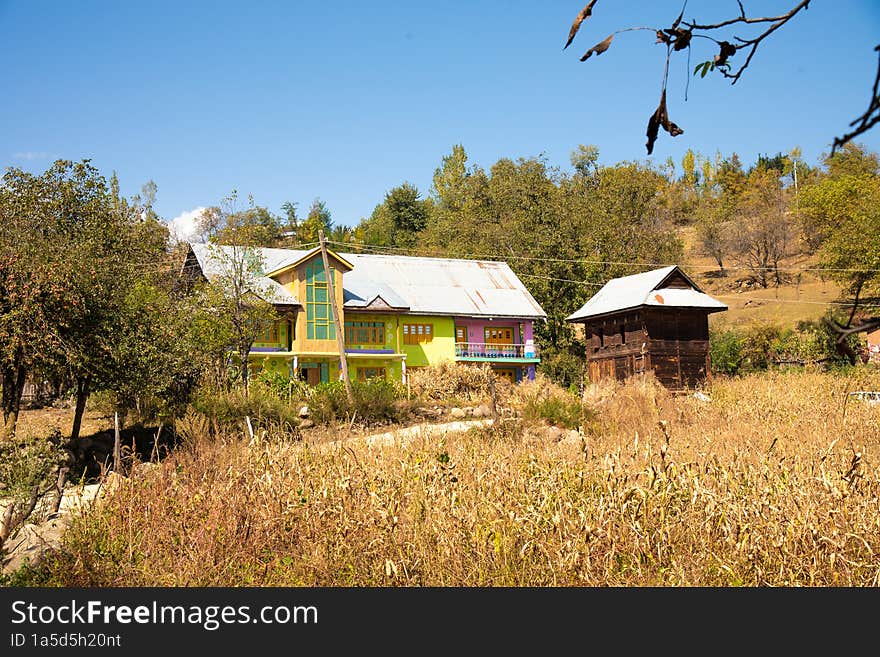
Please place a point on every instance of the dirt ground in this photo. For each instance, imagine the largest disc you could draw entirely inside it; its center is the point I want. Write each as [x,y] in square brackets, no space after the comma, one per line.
[42,421]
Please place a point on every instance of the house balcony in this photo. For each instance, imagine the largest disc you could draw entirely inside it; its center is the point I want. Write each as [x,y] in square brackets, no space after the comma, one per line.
[479,351]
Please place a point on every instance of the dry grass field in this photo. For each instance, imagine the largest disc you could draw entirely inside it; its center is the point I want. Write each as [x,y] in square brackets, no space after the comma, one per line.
[774,482]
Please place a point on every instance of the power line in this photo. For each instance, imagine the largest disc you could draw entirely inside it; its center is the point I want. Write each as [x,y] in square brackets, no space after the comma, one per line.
[380,250]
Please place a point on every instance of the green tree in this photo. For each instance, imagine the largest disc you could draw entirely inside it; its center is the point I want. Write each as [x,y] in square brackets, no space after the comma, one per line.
[252,225]
[399,220]
[316,220]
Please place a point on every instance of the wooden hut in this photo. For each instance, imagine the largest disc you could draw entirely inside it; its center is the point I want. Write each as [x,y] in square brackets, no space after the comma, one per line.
[657,320]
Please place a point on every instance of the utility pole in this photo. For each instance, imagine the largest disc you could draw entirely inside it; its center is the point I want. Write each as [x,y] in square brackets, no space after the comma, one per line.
[340,336]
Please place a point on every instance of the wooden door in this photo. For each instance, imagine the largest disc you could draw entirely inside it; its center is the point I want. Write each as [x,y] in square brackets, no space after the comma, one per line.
[313,375]
[500,335]
[506,373]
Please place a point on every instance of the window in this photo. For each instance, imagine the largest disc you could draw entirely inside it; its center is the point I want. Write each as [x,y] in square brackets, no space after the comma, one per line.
[601,335]
[319,315]
[365,333]
[270,335]
[367,373]
[417,333]
[622,334]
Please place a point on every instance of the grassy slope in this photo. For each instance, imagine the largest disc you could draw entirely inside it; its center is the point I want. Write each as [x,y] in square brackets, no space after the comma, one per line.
[803,297]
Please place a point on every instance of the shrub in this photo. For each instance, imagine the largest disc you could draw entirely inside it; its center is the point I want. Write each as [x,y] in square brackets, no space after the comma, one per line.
[565,368]
[760,346]
[448,381]
[233,406]
[726,352]
[28,468]
[375,401]
[543,400]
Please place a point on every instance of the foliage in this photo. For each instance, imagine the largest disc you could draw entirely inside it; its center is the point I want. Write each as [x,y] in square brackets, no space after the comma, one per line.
[235,307]
[398,220]
[564,367]
[447,381]
[86,251]
[376,401]
[747,489]
[231,407]
[763,232]
[763,345]
[726,351]
[543,401]
[28,468]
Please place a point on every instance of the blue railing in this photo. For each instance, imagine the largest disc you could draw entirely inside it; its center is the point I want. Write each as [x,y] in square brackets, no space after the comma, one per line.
[482,350]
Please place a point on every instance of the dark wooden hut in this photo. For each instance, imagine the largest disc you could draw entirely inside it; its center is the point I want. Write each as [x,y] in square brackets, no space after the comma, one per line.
[657,320]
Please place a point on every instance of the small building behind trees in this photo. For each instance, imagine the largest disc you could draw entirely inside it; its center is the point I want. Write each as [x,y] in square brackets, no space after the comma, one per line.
[657,320]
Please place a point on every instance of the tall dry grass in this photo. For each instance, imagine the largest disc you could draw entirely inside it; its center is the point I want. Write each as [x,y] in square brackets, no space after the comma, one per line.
[772,482]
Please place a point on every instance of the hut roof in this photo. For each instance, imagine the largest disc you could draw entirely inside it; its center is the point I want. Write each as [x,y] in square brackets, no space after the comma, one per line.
[650,288]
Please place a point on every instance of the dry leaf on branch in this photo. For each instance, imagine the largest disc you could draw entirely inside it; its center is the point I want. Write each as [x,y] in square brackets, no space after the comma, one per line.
[599,48]
[727,50]
[660,118]
[585,12]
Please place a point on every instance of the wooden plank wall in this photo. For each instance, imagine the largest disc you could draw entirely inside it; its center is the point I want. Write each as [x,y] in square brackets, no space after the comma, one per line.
[672,342]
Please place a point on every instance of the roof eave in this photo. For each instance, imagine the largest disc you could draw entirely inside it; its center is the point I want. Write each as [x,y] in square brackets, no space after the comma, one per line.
[587,318]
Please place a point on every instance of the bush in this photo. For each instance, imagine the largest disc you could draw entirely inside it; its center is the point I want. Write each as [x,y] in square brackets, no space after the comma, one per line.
[759,346]
[28,468]
[565,368]
[544,401]
[280,385]
[374,402]
[448,381]
[233,406]
[726,352]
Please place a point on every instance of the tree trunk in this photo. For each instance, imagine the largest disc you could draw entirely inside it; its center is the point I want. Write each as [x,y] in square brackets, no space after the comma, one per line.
[82,394]
[13,387]
[243,353]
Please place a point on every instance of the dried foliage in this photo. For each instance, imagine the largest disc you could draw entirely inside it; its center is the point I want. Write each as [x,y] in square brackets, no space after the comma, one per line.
[774,482]
[451,381]
[679,35]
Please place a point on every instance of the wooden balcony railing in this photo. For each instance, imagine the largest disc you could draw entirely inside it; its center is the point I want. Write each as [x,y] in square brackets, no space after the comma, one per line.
[482,350]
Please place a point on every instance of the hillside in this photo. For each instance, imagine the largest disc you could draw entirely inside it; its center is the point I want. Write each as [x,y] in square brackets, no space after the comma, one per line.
[804,296]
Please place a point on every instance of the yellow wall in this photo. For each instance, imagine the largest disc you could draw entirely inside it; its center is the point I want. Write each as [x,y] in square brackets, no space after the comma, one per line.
[441,347]
[296,283]
[392,326]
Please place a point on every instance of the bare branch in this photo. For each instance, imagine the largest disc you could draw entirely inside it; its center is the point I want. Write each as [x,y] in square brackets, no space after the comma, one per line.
[867,120]
[742,18]
[778,22]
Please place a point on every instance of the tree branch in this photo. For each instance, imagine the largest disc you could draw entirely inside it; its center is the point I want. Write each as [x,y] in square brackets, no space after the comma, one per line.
[867,120]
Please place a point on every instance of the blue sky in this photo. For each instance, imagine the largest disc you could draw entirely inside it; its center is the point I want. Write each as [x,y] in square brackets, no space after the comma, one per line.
[345,100]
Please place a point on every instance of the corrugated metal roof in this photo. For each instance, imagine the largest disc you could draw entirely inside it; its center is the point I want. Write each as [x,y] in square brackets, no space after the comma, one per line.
[437,286]
[213,259]
[645,290]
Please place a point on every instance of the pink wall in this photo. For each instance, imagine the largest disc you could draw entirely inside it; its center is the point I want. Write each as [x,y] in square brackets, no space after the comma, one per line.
[475,328]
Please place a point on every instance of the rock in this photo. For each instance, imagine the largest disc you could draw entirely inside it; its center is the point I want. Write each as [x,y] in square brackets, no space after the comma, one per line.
[304,411]
[306,424]
[482,410]
[554,433]
[457,413]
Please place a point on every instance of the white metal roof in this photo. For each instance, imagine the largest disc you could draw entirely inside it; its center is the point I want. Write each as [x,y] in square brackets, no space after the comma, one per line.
[436,286]
[215,259]
[645,289]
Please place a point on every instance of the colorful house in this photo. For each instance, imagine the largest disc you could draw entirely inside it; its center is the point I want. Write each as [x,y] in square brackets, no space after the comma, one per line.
[398,313]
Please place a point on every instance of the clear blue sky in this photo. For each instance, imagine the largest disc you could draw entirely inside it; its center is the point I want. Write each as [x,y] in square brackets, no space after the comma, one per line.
[345,100]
